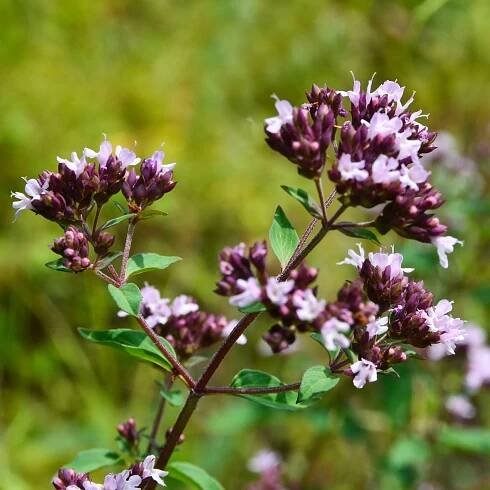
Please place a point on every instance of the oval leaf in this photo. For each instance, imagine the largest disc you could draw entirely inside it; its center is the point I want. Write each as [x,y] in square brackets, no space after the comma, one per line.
[139,263]
[133,342]
[359,232]
[174,398]
[193,475]
[127,297]
[248,378]
[316,381]
[116,221]
[93,459]
[305,200]
[283,237]
[57,265]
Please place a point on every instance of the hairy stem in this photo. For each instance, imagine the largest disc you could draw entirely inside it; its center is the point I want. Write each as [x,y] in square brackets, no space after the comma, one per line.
[127,248]
[178,368]
[319,188]
[96,219]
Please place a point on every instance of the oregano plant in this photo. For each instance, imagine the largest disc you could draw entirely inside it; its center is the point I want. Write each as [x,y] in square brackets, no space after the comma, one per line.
[370,145]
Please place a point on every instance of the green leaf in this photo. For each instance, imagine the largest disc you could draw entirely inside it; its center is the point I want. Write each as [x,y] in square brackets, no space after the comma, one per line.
[133,342]
[193,475]
[57,265]
[305,200]
[253,308]
[107,260]
[150,213]
[139,263]
[174,398]
[127,297]
[116,221]
[474,440]
[249,378]
[93,459]
[283,237]
[359,232]
[316,381]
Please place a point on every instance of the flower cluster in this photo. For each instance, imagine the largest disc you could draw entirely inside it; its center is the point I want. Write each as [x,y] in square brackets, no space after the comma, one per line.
[186,327]
[133,478]
[377,157]
[371,315]
[292,303]
[83,183]
[410,316]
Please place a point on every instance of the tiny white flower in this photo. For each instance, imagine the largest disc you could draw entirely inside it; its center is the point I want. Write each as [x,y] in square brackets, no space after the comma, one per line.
[435,316]
[350,170]
[453,334]
[382,125]
[277,291]
[365,371]
[445,245]
[33,190]
[158,156]
[478,371]
[76,164]
[149,470]
[377,327]
[183,305]
[284,115]
[385,170]
[353,258]
[394,260]
[333,334]
[250,293]
[126,156]
[308,305]
[242,340]
[413,175]
[392,89]
[407,148]
[355,93]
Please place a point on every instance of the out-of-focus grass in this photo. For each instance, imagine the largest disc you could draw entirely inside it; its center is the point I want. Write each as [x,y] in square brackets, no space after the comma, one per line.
[197,76]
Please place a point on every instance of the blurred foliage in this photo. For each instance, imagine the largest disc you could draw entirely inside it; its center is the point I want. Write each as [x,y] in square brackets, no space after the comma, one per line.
[197,75]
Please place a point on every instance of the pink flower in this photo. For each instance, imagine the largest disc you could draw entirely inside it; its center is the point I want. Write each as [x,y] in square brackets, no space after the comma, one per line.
[350,170]
[365,371]
[445,245]
[277,291]
[333,334]
[377,327]
[460,406]
[308,305]
[284,116]
[250,293]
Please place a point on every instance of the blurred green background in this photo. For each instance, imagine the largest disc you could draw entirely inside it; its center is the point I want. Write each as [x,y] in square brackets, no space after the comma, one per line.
[198,75]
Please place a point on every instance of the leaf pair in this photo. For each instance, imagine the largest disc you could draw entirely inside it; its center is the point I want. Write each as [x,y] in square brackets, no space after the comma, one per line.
[316,381]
